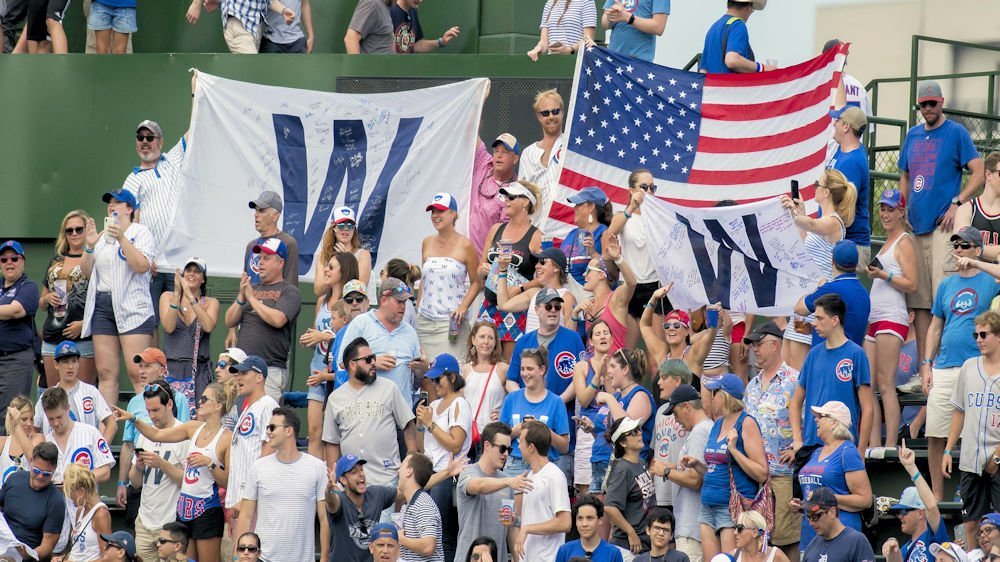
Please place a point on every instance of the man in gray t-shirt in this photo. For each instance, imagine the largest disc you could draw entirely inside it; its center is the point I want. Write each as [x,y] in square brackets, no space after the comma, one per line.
[482,487]
[362,416]
[353,508]
[370,30]
[686,476]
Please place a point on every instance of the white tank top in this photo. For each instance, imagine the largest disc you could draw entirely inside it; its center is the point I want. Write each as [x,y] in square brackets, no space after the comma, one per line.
[85,545]
[635,250]
[531,323]
[444,282]
[770,555]
[492,400]
[198,481]
[887,302]
[8,465]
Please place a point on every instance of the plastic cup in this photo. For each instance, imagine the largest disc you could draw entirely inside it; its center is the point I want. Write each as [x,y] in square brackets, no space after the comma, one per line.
[507,512]
[506,248]
[59,287]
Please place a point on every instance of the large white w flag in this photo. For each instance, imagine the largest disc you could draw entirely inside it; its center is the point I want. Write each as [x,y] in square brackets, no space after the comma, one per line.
[383,155]
[747,257]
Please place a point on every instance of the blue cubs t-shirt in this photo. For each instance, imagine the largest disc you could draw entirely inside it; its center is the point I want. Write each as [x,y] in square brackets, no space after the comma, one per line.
[830,472]
[854,166]
[920,550]
[605,552]
[958,301]
[713,60]
[934,159]
[832,374]
[564,351]
[856,300]
[628,40]
[549,411]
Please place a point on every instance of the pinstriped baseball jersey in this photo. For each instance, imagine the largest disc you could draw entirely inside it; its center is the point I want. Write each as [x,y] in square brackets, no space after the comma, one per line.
[156,190]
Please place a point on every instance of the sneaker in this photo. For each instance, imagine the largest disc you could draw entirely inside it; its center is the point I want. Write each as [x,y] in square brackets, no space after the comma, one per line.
[911,386]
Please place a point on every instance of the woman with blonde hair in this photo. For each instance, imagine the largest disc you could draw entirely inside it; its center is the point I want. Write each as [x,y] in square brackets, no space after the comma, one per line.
[92,518]
[836,198]
[751,540]
[485,374]
[64,293]
[21,438]
[342,236]
[206,466]
[520,239]
[564,25]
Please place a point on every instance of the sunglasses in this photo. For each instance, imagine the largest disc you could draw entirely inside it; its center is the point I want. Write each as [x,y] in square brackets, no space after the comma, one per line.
[980,335]
[547,112]
[816,515]
[673,325]
[648,187]
[550,306]
[354,300]
[204,399]
[223,364]
[504,449]
[42,473]
[399,290]
[273,426]
[246,548]
[151,390]
[962,245]
[147,138]
[741,528]
[345,226]
[635,431]
[11,259]
[928,103]
[162,541]
[366,358]
[595,269]
[71,230]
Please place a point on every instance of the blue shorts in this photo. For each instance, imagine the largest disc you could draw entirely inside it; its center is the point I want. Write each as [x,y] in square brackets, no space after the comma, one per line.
[716,516]
[103,321]
[598,472]
[86,348]
[317,393]
[104,17]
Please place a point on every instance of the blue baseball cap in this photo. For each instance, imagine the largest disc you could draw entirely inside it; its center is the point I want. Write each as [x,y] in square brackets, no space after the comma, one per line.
[444,363]
[443,202]
[251,363]
[66,349]
[845,255]
[589,195]
[123,540]
[273,246]
[346,463]
[992,519]
[12,245]
[728,383]
[123,195]
[892,198]
[384,531]
[509,141]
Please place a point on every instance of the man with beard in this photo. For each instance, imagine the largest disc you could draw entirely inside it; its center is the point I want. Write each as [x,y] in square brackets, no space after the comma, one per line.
[491,172]
[541,161]
[353,508]
[363,414]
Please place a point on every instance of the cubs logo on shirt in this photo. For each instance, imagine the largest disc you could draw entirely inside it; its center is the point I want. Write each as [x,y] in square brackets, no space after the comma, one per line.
[88,405]
[564,363]
[247,425]
[630,5]
[845,370]
[191,475]
[102,446]
[964,302]
[121,253]
[83,456]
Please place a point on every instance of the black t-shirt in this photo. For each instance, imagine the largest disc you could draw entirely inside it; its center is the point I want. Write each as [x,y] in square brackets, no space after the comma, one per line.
[257,337]
[405,29]
[30,512]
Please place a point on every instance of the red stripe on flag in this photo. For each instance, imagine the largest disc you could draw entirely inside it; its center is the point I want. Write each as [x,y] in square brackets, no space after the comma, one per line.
[778,76]
[753,112]
[620,195]
[561,212]
[769,142]
[757,175]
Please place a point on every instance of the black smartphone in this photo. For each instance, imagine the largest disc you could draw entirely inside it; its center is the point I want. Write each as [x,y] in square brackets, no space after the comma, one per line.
[876,264]
[424,397]
[139,450]
[795,189]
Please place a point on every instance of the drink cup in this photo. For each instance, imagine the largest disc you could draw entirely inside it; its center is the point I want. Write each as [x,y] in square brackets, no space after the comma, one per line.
[59,288]
[506,247]
[507,512]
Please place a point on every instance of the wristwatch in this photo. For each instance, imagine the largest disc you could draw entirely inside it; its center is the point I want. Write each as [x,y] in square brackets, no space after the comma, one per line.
[666,473]
[996,459]
[956,201]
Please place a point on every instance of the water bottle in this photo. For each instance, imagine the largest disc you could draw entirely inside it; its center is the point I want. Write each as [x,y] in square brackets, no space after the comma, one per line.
[454,325]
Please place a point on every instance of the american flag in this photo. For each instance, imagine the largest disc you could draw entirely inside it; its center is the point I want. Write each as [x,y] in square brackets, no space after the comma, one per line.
[704,137]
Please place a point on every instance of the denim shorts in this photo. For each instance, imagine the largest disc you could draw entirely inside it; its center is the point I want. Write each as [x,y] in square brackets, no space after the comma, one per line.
[317,393]
[598,471]
[86,348]
[104,17]
[103,321]
[716,516]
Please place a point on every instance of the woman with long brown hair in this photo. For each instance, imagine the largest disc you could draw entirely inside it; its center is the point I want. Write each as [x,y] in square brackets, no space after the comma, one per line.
[485,374]
[64,294]
[342,236]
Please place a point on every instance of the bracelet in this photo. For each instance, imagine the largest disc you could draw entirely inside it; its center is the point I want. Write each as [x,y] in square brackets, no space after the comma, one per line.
[926,362]
[648,305]
[194,302]
[594,386]
[241,303]
[173,306]
[627,216]
[440,43]
[501,276]
[916,477]
[88,250]
[631,19]
[432,427]
[760,67]
[947,452]
[889,280]
[122,483]
[618,261]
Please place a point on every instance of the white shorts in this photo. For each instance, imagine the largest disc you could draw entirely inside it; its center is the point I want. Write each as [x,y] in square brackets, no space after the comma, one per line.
[582,473]
[939,406]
